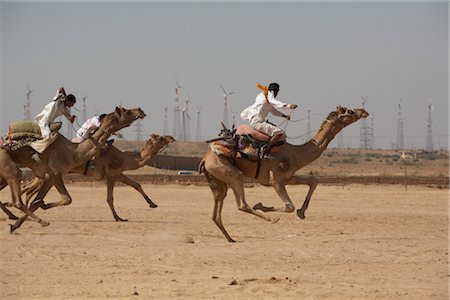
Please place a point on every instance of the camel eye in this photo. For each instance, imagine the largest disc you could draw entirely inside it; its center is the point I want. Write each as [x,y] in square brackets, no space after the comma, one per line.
[350,112]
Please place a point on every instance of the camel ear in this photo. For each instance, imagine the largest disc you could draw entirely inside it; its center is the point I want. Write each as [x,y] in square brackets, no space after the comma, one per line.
[118,111]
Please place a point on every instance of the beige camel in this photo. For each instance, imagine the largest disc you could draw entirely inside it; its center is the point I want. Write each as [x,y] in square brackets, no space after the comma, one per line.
[62,156]
[222,173]
[110,166]
[11,175]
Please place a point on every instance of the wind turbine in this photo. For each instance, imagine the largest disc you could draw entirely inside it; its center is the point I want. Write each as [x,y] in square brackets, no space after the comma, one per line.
[233,118]
[84,108]
[176,111]
[27,106]
[187,119]
[199,128]
[225,106]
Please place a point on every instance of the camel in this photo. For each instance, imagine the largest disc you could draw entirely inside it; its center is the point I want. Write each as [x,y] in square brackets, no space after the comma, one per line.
[110,166]
[62,156]
[11,175]
[222,172]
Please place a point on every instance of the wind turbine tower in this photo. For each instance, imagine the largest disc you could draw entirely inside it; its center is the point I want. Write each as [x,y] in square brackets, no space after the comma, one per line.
[176,112]
[187,119]
[364,133]
[429,146]
[27,106]
[199,128]
[225,105]
[84,108]
[166,121]
[400,128]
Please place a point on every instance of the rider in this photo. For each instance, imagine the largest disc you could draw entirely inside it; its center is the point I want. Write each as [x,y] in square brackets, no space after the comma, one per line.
[88,128]
[60,105]
[266,103]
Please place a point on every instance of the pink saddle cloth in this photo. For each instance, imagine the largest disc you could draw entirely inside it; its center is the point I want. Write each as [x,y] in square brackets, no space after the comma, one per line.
[246,129]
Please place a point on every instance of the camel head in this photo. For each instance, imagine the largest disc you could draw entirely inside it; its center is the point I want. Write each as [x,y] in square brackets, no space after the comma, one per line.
[344,116]
[157,142]
[121,118]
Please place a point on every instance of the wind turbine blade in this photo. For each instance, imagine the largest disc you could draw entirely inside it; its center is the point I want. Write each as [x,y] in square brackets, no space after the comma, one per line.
[230,93]
[223,90]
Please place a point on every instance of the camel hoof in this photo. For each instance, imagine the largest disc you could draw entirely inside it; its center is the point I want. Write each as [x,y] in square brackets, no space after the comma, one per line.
[258,206]
[153,205]
[301,214]
[12,228]
[44,223]
[121,220]
[13,218]
[274,220]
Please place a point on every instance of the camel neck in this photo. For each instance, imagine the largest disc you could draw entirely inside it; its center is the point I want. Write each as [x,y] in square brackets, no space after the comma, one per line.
[325,135]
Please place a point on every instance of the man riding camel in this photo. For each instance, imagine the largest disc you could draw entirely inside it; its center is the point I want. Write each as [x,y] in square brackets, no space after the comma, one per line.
[257,113]
[60,105]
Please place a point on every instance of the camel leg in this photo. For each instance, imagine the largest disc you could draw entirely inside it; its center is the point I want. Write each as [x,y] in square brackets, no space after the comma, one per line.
[219,190]
[31,188]
[288,206]
[312,183]
[65,197]
[127,180]
[110,199]
[3,206]
[11,216]
[37,202]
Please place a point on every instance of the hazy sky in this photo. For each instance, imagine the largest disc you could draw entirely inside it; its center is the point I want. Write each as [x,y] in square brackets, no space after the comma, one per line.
[323,54]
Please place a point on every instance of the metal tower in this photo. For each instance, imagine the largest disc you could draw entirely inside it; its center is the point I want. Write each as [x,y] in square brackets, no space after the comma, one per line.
[199,128]
[429,145]
[364,134]
[225,105]
[166,121]
[176,112]
[400,128]
[340,139]
[308,125]
[138,130]
[27,106]
[371,133]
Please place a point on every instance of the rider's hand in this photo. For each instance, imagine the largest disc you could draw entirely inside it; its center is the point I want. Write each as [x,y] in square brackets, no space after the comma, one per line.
[62,91]
[293,106]
[72,118]
[287,117]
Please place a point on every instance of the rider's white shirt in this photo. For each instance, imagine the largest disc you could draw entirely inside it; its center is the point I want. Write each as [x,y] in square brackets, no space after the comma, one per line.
[262,107]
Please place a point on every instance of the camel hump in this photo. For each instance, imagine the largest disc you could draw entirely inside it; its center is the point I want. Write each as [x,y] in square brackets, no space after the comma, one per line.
[29,129]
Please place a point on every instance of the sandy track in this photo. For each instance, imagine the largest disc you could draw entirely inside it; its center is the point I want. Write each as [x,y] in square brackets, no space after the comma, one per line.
[357,242]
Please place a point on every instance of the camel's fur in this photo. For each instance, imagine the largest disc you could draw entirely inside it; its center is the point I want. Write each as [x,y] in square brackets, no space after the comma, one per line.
[62,156]
[110,166]
[221,173]
[11,175]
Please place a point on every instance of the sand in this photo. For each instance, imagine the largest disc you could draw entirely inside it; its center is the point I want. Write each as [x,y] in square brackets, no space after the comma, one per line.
[357,242]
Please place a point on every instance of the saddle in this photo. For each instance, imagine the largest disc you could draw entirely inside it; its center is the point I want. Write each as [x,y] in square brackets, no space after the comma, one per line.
[245,142]
[22,133]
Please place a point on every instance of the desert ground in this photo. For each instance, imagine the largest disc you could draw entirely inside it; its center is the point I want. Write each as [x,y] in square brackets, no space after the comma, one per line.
[357,242]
